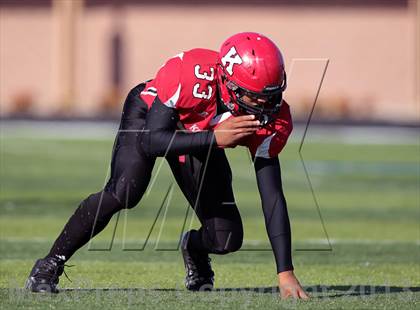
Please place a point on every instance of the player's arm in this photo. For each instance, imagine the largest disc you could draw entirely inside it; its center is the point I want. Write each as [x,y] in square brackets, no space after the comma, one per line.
[275,210]
[160,135]
[277,224]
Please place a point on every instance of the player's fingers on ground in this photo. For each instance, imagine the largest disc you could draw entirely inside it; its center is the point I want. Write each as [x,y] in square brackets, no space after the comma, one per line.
[290,292]
[303,294]
[284,294]
[295,294]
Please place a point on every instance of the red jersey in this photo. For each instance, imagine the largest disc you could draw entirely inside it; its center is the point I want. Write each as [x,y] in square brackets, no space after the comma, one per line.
[187,83]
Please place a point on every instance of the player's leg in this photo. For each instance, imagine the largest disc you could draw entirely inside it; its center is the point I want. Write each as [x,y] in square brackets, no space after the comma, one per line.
[207,184]
[130,175]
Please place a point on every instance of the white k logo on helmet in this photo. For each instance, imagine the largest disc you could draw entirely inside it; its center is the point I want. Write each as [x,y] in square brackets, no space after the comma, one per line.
[232,58]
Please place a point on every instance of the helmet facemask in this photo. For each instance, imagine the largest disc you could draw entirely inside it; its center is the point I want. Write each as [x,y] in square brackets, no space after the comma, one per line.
[264,105]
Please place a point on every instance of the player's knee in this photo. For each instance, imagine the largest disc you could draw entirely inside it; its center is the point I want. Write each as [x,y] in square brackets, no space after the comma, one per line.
[126,189]
[128,199]
[235,241]
[103,201]
[228,241]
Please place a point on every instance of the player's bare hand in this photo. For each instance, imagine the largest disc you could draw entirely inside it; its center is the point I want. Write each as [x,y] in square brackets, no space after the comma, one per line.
[230,132]
[290,286]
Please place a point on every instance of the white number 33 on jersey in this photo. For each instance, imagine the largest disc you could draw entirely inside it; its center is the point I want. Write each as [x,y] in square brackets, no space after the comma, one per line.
[203,76]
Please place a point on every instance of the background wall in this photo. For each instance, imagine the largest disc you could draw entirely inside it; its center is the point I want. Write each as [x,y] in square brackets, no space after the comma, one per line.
[77,58]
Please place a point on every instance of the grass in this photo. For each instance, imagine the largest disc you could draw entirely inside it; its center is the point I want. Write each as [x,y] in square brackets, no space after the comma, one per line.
[369,199]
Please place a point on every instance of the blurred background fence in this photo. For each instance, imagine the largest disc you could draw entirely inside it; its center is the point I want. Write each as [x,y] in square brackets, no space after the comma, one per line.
[78,58]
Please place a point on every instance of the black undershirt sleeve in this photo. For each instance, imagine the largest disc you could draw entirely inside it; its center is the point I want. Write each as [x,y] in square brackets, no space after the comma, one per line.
[161,136]
[275,210]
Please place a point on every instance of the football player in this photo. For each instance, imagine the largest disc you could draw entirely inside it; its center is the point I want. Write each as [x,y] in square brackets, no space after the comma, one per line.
[200,102]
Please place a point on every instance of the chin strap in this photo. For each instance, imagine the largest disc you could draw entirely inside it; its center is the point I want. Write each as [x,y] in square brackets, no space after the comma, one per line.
[264,120]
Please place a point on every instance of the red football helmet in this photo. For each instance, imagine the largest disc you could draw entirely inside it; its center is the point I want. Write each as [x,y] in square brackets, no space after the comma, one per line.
[251,75]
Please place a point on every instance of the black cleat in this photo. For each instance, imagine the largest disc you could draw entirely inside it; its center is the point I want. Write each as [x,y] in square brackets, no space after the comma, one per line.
[200,276]
[44,275]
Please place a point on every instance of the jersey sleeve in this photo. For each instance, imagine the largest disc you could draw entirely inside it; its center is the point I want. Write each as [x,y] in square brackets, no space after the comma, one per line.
[187,81]
[167,82]
[268,142]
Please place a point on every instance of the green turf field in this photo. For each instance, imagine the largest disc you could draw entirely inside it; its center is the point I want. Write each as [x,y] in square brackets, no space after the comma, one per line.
[368,195]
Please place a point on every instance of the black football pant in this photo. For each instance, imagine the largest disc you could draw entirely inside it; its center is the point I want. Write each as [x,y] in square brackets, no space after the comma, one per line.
[205,180]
